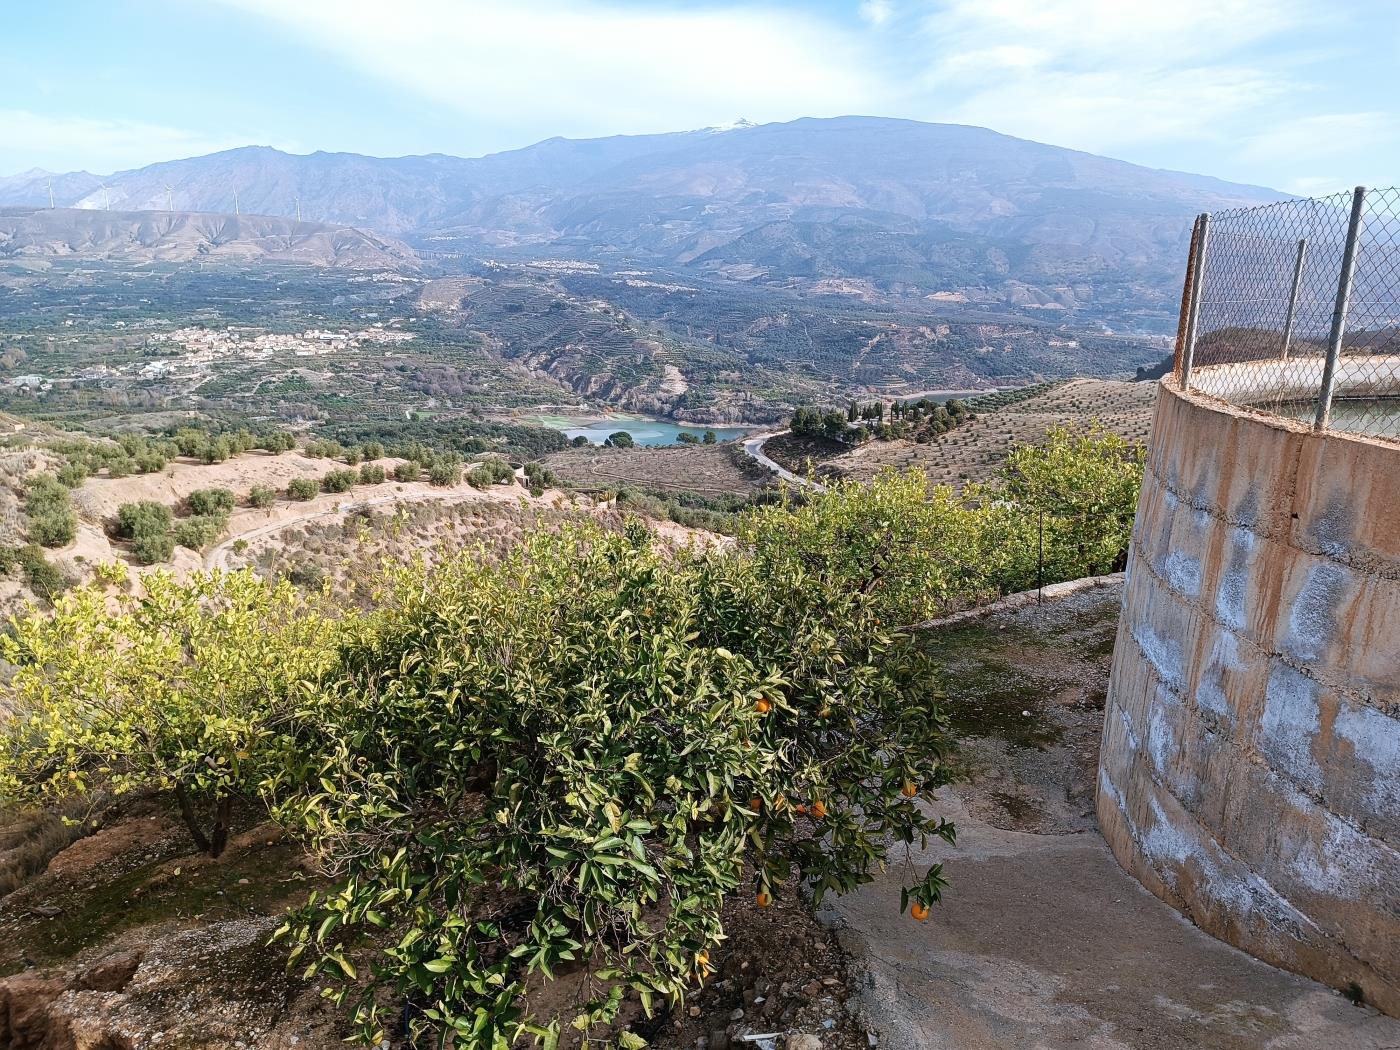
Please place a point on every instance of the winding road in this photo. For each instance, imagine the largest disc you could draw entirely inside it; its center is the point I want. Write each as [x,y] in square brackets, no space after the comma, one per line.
[753,448]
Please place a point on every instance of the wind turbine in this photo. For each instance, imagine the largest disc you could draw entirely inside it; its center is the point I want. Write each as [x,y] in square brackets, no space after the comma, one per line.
[235,203]
[50,193]
[169,197]
[106,198]
[298,200]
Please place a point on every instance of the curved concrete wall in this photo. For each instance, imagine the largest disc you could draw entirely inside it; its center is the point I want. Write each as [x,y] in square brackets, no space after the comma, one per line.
[1250,769]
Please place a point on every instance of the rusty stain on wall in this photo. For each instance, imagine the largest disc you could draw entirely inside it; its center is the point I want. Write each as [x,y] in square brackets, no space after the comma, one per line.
[1250,768]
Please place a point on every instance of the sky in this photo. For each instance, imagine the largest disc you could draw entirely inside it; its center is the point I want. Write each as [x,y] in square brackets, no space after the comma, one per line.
[1299,95]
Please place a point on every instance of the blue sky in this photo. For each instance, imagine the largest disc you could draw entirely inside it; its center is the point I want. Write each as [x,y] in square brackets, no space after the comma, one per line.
[1302,95]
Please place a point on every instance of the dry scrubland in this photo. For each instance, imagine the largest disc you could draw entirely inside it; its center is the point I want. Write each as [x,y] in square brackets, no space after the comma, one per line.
[273,534]
[339,547]
[974,450]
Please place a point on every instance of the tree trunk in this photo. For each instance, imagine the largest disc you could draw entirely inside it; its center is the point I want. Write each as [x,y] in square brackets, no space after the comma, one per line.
[213,843]
[192,820]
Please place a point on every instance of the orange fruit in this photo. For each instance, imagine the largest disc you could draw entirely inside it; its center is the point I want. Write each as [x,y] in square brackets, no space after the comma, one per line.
[919,911]
[819,809]
[763,899]
[756,804]
[801,807]
[909,790]
[764,705]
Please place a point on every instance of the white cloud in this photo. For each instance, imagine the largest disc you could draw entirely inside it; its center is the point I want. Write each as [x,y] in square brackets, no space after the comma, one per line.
[64,143]
[1102,75]
[588,68]
[876,12]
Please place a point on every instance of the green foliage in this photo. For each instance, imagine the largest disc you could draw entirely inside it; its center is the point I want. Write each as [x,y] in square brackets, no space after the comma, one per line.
[153,547]
[491,471]
[339,480]
[371,474]
[445,471]
[185,703]
[199,531]
[1086,483]
[408,471]
[42,576]
[261,496]
[210,502]
[553,759]
[572,755]
[619,439]
[918,551]
[145,518]
[51,519]
[303,489]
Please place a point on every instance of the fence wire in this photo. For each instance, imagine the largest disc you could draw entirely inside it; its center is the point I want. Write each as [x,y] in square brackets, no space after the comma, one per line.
[1284,319]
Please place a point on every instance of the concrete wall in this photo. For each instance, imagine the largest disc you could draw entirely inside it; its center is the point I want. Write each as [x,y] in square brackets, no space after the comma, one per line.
[1250,771]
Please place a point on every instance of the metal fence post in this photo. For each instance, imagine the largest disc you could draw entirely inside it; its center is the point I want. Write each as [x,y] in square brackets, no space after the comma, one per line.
[1189,350]
[1339,311]
[1293,296]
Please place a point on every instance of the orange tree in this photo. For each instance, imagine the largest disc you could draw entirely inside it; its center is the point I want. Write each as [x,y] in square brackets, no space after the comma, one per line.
[175,689]
[567,760]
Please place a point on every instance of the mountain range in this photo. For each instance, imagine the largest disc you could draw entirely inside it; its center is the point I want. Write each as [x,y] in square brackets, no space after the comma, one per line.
[141,237]
[958,213]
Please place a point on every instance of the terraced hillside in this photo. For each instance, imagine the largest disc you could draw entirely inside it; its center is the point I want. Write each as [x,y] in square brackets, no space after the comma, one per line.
[973,451]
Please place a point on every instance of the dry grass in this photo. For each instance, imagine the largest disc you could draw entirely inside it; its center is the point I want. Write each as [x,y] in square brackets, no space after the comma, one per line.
[974,451]
[30,838]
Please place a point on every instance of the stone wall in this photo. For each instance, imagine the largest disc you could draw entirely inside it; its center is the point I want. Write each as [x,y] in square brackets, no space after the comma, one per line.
[1250,770]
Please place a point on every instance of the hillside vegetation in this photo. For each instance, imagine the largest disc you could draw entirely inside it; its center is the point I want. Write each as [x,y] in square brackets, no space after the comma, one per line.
[563,758]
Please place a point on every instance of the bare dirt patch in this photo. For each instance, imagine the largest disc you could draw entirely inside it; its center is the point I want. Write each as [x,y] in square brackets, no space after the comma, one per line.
[706,470]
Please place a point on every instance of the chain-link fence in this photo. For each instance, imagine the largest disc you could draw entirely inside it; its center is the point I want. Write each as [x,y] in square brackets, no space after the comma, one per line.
[1294,308]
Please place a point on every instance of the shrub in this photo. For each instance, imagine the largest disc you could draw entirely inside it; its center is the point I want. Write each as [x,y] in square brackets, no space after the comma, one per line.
[371,474]
[199,531]
[445,472]
[303,489]
[339,481]
[610,827]
[619,439]
[372,450]
[184,706]
[56,528]
[210,502]
[52,521]
[261,496]
[145,518]
[42,576]
[580,441]
[71,474]
[408,471]
[153,547]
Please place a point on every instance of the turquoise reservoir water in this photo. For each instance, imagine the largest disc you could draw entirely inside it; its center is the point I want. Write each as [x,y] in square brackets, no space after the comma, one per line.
[644,431]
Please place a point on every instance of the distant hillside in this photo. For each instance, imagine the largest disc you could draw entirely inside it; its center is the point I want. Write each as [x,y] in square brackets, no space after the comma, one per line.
[913,208]
[161,236]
